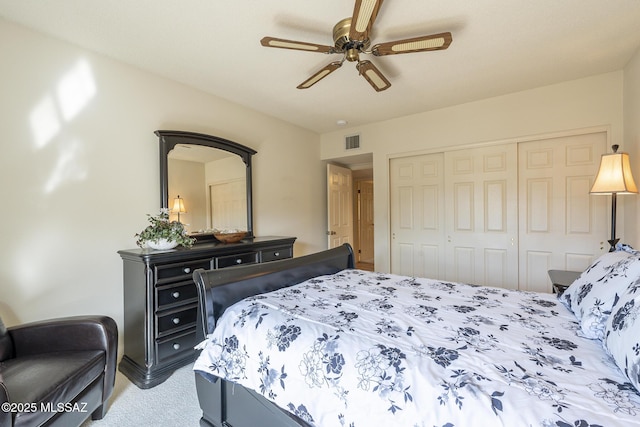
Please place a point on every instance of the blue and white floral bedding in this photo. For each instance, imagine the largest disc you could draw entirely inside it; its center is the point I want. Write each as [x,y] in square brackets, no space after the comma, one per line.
[367,349]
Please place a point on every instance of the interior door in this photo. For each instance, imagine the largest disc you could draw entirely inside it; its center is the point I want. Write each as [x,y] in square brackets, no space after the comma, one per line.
[365,216]
[482,215]
[417,215]
[561,226]
[339,206]
[228,205]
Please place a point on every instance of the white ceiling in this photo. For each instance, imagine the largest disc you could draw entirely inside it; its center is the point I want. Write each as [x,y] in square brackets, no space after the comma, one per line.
[499,46]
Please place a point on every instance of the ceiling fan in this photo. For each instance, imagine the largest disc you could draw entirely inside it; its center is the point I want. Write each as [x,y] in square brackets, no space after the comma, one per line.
[351,38]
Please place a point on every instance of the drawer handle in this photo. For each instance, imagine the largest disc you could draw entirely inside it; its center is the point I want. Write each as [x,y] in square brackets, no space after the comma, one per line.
[175,320]
[176,294]
[186,270]
[239,261]
[176,346]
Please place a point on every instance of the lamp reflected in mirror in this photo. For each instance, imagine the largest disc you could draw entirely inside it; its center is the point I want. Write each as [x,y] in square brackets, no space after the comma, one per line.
[614,177]
[178,206]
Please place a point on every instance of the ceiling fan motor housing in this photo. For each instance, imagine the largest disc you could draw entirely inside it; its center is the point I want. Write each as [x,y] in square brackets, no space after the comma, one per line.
[344,44]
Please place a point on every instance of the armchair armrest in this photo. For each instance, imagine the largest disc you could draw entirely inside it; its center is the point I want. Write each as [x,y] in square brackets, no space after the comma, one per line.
[75,333]
[5,416]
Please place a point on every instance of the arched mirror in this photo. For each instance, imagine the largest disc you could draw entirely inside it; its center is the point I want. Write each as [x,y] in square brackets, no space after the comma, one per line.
[205,181]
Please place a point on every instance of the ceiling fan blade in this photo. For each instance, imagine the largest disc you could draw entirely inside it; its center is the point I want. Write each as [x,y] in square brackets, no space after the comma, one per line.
[371,73]
[364,14]
[296,45]
[321,74]
[417,44]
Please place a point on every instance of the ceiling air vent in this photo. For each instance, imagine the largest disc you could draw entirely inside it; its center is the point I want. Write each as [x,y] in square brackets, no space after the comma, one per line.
[352,142]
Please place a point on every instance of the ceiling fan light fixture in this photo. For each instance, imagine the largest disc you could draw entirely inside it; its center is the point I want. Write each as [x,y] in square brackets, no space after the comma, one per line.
[352,55]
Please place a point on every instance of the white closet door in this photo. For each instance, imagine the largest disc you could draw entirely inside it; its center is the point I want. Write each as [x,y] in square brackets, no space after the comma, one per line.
[482,215]
[417,215]
[561,225]
[228,204]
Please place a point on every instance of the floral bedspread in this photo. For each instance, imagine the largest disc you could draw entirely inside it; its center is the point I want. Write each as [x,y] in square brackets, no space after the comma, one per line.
[368,349]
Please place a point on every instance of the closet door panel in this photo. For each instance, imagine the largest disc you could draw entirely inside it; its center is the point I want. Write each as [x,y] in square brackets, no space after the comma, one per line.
[481,215]
[417,212]
[562,226]
[463,207]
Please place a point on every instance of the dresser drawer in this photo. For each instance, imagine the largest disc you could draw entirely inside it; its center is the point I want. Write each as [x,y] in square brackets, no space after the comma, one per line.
[239,259]
[174,272]
[178,319]
[274,254]
[176,346]
[176,293]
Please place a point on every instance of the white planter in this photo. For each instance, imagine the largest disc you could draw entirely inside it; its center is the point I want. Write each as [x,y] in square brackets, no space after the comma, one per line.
[162,244]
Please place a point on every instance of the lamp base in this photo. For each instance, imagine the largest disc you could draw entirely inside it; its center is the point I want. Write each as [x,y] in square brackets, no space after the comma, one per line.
[613,243]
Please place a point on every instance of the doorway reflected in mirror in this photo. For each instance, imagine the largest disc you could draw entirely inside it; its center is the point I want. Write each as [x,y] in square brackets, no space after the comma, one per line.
[214,183]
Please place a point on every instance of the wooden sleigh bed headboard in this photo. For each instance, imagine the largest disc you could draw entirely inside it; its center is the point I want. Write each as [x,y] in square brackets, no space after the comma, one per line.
[223,404]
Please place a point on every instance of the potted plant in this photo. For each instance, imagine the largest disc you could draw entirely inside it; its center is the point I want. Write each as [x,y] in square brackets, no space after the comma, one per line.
[163,234]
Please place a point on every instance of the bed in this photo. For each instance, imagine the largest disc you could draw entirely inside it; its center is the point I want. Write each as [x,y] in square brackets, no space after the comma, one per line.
[311,341]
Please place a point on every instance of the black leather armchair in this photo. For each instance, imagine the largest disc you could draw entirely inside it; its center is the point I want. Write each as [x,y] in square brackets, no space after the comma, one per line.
[57,372]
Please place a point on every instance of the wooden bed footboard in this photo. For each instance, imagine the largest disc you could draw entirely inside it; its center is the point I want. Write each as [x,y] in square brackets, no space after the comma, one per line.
[225,404]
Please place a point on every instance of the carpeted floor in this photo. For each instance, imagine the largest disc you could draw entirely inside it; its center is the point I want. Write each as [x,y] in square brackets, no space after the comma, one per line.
[172,403]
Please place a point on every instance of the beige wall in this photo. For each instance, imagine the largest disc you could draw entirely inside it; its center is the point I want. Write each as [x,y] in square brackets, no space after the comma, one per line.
[591,102]
[187,180]
[632,132]
[79,171]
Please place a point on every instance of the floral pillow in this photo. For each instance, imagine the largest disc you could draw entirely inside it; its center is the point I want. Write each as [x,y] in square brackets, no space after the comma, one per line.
[622,333]
[592,295]
[627,248]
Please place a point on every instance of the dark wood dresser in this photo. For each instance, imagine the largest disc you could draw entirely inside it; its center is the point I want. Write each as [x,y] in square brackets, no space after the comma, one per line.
[160,301]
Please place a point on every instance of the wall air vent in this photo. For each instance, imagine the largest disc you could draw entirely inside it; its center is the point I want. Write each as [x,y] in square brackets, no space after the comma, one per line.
[352,142]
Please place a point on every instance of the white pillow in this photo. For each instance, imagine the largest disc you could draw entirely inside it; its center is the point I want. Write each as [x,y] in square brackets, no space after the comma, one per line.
[592,295]
[622,333]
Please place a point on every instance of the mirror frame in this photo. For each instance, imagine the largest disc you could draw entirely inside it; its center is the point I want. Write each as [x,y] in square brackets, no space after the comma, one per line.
[170,138]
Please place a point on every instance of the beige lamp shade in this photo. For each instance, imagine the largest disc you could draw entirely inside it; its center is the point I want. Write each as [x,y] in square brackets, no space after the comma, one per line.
[178,205]
[614,175]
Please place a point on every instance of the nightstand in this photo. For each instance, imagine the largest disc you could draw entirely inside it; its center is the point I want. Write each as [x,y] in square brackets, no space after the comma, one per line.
[561,279]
